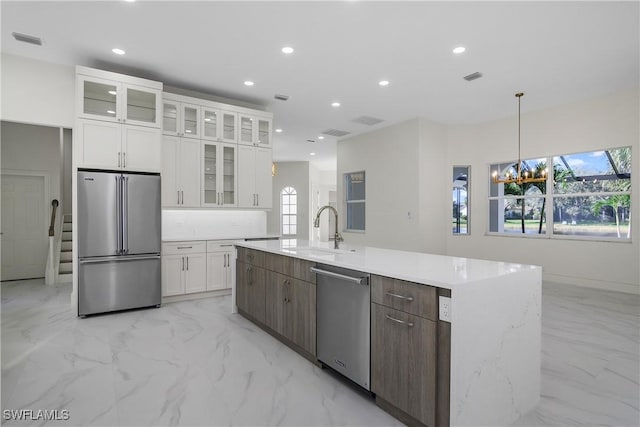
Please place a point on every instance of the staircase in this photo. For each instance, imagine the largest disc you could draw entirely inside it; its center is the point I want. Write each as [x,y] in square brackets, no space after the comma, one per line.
[65,274]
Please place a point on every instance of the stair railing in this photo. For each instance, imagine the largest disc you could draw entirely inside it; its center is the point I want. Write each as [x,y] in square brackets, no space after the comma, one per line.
[51,273]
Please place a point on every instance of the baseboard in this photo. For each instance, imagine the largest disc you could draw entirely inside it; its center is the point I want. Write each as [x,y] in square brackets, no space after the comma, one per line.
[199,295]
[628,288]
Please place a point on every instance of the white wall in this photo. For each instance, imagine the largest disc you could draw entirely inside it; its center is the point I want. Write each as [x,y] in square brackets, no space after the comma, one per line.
[67,152]
[296,175]
[34,149]
[398,215]
[323,185]
[185,224]
[37,92]
[595,124]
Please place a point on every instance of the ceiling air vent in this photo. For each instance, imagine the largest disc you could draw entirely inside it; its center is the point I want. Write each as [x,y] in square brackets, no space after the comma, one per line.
[281,97]
[367,120]
[473,76]
[27,39]
[335,132]
[311,140]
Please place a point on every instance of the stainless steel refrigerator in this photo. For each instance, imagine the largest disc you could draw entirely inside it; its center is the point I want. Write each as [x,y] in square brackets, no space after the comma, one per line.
[119,227]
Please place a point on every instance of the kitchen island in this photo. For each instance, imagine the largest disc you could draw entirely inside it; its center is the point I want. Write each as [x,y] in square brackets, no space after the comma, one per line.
[470,353]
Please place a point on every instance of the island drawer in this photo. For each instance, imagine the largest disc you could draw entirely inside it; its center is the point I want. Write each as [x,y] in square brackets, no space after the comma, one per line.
[251,256]
[179,248]
[412,298]
[290,266]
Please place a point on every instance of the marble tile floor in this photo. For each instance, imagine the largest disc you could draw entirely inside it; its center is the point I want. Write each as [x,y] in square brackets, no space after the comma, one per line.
[194,363]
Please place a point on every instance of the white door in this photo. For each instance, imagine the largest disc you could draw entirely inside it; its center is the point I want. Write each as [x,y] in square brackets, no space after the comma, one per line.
[24,227]
[172,278]
[170,168]
[217,270]
[263,178]
[141,147]
[189,172]
[195,273]
[246,176]
[100,144]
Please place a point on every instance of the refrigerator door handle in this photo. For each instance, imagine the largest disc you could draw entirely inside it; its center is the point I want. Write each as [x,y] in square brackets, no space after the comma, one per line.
[125,213]
[117,258]
[118,215]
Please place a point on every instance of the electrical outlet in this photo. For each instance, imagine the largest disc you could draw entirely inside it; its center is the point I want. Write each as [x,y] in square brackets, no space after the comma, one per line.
[445,309]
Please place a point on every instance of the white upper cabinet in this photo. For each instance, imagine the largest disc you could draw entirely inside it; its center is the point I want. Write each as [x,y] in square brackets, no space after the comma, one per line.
[180,119]
[219,174]
[254,177]
[255,130]
[219,125]
[117,101]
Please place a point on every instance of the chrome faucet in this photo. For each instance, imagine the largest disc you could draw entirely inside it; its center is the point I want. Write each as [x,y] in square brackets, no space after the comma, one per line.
[316,223]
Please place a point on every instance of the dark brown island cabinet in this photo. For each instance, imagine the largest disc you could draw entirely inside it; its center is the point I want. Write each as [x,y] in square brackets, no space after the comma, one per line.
[410,347]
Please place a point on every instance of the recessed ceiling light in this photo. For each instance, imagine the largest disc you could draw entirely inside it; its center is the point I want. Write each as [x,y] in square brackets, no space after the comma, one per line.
[278,130]
[110,112]
[287,50]
[312,154]
[207,119]
[113,92]
[248,83]
[383,82]
[321,137]
[459,49]
[335,104]
[118,51]
[188,131]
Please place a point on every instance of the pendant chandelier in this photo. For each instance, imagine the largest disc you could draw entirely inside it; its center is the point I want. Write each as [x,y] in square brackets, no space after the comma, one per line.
[521,177]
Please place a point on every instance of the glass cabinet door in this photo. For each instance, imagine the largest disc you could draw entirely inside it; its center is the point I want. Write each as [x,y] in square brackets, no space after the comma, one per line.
[210,122]
[99,99]
[141,106]
[190,121]
[246,130]
[228,189]
[170,117]
[229,126]
[264,132]
[210,184]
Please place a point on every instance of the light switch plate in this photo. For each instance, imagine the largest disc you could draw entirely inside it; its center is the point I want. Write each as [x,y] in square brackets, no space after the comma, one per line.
[445,309]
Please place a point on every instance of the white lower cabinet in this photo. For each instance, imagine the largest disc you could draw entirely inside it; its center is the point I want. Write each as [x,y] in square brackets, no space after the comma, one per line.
[184,268]
[196,266]
[219,260]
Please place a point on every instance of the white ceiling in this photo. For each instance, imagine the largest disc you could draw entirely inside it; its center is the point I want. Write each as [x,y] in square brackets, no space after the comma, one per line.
[556,52]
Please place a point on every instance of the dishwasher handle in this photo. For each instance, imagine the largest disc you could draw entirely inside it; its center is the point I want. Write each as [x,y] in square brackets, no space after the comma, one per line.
[357,280]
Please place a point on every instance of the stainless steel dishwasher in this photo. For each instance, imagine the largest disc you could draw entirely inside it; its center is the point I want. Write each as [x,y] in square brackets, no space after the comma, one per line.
[343,322]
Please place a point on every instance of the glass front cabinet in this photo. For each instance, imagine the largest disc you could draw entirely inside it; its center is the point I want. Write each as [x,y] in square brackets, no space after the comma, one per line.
[219,125]
[255,130]
[180,119]
[112,101]
[219,174]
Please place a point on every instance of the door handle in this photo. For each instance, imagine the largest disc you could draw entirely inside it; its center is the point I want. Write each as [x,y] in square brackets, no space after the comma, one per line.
[400,296]
[357,280]
[118,258]
[402,322]
[125,214]
[118,215]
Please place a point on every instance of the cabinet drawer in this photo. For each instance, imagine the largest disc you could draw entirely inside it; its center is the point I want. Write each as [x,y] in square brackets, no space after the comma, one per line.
[178,248]
[251,256]
[289,266]
[219,245]
[409,297]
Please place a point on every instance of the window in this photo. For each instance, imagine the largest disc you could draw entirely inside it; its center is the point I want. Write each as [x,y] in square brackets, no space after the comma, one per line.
[587,195]
[355,200]
[460,222]
[288,208]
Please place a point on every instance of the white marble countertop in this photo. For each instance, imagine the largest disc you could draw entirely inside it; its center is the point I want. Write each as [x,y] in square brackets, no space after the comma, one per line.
[213,237]
[436,270]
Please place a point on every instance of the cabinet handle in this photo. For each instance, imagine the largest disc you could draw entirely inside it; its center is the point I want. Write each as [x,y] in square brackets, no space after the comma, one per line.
[118,159]
[409,324]
[226,260]
[225,246]
[185,247]
[182,196]
[124,160]
[178,197]
[258,199]
[400,296]
[187,263]
[182,268]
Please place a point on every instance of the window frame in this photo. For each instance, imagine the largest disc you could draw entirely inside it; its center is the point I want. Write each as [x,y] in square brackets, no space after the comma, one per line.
[348,202]
[550,196]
